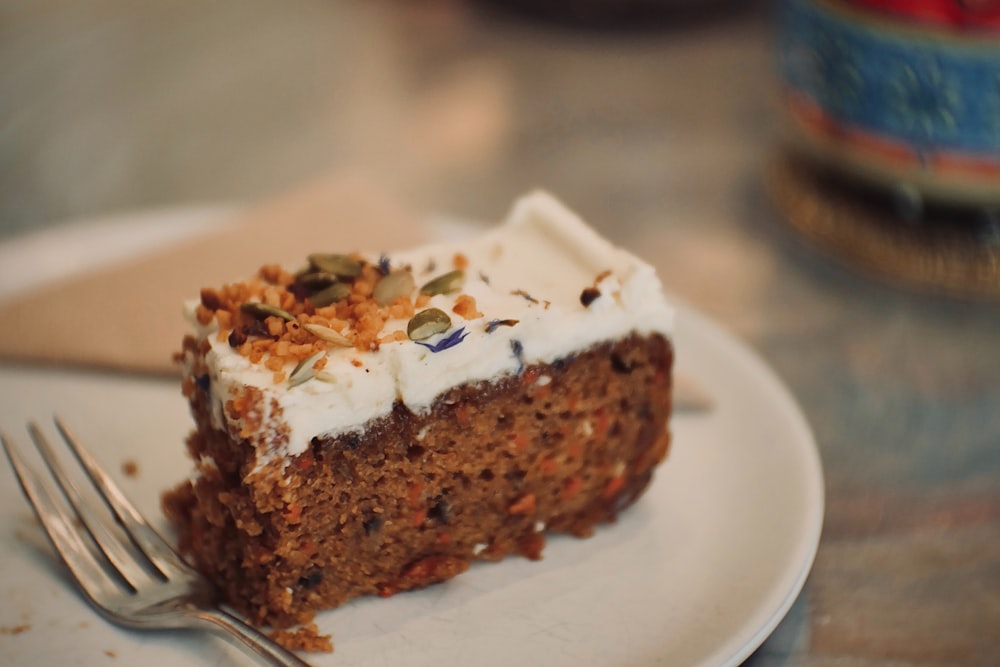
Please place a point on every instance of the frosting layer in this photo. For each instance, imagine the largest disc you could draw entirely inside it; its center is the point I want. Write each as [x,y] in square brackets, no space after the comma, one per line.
[545,286]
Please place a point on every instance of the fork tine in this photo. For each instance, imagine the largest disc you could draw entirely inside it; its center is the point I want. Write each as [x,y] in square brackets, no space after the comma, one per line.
[156,549]
[75,554]
[114,549]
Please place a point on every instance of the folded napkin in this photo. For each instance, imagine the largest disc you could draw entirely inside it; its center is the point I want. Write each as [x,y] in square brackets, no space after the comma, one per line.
[127,316]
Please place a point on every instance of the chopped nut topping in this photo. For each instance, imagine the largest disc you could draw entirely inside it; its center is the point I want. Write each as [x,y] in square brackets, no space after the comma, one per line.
[465,306]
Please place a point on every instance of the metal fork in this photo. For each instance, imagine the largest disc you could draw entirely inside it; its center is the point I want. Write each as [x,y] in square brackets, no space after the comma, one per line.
[124,568]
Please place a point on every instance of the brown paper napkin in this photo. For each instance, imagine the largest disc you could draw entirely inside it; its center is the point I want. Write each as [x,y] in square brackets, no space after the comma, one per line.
[127,317]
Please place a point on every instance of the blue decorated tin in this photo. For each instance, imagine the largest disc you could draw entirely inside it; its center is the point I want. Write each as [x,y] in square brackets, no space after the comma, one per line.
[900,103]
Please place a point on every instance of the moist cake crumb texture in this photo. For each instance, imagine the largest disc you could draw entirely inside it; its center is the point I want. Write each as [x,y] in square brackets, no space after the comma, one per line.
[372,424]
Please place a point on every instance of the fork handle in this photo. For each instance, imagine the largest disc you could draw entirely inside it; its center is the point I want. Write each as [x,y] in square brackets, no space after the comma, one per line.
[252,641]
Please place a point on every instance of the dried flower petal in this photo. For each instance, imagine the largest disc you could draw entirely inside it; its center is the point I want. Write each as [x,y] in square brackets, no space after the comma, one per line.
[451,340]
[493,325]
[522,293]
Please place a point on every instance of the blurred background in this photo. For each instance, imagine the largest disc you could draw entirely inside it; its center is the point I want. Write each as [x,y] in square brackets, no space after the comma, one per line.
[458,105]
[661,122]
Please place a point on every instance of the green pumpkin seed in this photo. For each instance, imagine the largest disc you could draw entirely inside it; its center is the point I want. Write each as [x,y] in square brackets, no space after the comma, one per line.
[328,334]
[393,286]
[445,283]
[331,294]
[316,279]
[426,323]
[325,376]
[261,311]
[304,371]
[341,266]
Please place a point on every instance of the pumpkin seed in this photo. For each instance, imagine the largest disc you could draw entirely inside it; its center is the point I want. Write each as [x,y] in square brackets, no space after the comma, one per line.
[304,371]
[393,286]
[445,283]
[328,334]
[341,266]
[325,376]
[316,279]
[262,310]
[331,294]
[426,323]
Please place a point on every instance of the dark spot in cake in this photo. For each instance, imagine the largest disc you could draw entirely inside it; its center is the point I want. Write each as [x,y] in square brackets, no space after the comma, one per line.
[440,511]
[351,441]
[312,579]
[383,264]
[645,411]
[619,365]
[415,452]
[616,429]
[589,295]
[515,475]
[565,362]
[541,416]
[486,475]
[372,525]
[317,446]
[203,381]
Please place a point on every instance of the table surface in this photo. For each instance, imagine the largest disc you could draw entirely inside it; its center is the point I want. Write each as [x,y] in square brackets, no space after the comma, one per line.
[660,137]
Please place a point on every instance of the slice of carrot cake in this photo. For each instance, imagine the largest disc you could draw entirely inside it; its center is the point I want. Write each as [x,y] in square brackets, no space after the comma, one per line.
[372,424]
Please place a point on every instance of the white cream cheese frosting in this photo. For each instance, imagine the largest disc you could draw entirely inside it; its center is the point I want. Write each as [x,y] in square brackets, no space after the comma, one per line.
[532,268]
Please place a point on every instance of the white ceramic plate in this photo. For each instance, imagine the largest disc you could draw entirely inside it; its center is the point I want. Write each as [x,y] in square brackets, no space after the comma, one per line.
[698,572]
